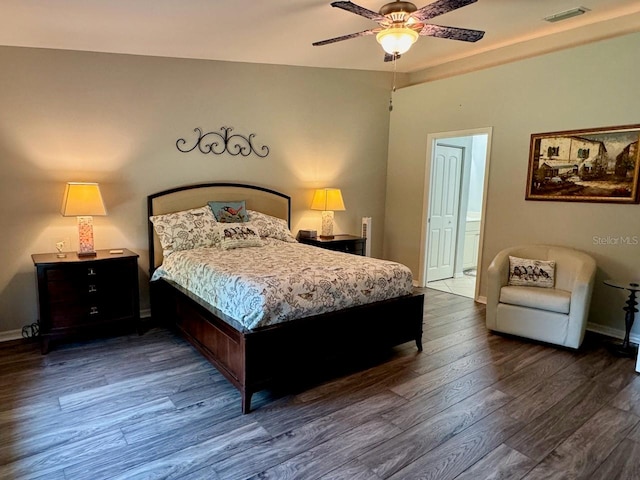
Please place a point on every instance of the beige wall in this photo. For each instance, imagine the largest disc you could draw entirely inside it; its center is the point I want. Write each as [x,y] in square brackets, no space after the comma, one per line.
[114,119]
[594,85]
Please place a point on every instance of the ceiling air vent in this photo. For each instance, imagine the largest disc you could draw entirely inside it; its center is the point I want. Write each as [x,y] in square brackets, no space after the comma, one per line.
[574,12]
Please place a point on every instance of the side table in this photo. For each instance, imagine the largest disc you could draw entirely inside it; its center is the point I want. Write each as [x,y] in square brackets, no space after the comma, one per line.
[338,243]
[86,294]
[627,349]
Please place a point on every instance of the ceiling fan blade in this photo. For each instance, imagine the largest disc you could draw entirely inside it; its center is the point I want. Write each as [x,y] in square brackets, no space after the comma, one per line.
[344,37]
[388,57]
[452,33]
[440,7]
[358,10]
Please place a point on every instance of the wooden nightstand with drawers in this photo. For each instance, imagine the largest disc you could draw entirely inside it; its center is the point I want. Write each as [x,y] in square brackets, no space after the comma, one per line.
[340,243]
[86,295]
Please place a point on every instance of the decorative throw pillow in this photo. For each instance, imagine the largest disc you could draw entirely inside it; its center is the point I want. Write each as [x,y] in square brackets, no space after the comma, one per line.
[531,273]
[238,236]
[185,230]
[271,227]
[229,212]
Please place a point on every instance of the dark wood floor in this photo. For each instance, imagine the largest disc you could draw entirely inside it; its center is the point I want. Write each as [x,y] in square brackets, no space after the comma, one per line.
[473,405]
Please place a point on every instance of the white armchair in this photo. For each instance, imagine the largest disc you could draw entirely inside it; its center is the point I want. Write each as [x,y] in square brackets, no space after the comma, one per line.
[555,315]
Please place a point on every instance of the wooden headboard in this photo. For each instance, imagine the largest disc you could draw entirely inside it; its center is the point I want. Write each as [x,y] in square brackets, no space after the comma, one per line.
[176,199]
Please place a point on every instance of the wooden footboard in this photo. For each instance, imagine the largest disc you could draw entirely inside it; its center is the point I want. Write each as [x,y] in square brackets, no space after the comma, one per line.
[253,359]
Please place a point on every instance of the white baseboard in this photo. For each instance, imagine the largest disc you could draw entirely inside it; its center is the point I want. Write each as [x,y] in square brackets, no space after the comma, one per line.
[592,327]
[611,332]
[17,334]
[10,335]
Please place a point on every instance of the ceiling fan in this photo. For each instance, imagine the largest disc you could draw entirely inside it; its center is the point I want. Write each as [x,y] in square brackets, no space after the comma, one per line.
[402,22]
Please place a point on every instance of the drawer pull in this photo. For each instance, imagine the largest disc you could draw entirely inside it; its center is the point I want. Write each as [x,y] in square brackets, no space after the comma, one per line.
[92,289]
[93,311]
[91,272]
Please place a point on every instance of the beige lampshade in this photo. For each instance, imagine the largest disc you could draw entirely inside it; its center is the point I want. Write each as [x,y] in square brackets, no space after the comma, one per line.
[327,199]
[82,199]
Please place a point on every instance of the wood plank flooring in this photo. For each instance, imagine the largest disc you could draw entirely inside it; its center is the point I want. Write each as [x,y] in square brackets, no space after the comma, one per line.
[473,405]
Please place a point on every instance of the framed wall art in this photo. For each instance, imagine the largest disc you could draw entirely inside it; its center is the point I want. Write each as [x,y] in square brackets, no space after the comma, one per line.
[592,165]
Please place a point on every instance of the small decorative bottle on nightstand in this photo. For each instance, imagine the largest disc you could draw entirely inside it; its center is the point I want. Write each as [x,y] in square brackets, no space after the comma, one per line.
[86,295]
[340,243]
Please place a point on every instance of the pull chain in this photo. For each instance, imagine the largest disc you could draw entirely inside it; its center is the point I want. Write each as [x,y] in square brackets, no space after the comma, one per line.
[393,87]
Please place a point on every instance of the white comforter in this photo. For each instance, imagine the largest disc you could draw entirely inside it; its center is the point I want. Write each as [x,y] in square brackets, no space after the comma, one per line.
[281,281]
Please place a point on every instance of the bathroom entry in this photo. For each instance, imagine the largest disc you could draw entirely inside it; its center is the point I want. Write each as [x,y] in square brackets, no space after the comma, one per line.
[455,205]
[444,206]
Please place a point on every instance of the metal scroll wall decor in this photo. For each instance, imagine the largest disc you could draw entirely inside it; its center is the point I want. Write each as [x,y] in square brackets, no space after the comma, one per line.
[219,143]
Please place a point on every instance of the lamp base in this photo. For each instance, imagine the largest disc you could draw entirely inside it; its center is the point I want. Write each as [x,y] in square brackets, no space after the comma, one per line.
[85,237]
[327,224]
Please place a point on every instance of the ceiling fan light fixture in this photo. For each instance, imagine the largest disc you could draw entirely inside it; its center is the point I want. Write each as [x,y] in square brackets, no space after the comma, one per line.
[397,40]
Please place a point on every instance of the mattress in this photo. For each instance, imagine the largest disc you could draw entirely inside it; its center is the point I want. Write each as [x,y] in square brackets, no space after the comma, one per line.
[279,281]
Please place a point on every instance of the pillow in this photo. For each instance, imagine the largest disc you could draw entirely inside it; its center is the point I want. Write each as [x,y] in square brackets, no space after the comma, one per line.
[185,230]
[238,237]
[229,212]
[531,273]
[271,227]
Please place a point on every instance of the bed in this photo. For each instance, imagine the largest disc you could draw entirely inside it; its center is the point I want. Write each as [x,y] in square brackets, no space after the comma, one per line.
[253,355]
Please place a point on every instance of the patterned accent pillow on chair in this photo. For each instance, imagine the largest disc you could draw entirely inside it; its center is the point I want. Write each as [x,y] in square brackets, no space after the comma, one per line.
[531,273]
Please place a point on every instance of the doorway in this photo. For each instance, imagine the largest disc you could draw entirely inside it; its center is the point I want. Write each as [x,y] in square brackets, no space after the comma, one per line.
[454,204]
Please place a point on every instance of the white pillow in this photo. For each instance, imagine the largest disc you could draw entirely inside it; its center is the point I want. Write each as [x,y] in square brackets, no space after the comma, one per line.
[270,227]
[531,273]
[238,235]
[186,230]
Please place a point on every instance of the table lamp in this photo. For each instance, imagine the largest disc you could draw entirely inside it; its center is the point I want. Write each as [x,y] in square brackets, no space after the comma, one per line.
[328,200]
[83,200]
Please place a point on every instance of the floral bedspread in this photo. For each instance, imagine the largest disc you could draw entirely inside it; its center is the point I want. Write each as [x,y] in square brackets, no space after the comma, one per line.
[259,286]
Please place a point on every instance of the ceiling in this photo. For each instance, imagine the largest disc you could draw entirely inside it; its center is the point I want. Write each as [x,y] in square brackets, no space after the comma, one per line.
[281,31]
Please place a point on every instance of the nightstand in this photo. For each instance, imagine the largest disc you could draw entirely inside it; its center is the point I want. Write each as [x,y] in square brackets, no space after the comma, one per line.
[86,295]
[339,243]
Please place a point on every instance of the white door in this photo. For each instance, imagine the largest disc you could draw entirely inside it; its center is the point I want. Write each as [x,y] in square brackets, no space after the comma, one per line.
[446,169]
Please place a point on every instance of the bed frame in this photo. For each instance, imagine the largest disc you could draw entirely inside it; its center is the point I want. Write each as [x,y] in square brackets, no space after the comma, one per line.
[253,359]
